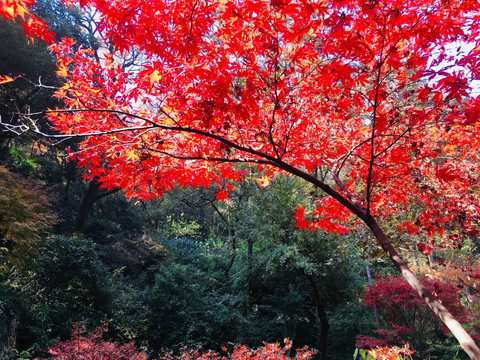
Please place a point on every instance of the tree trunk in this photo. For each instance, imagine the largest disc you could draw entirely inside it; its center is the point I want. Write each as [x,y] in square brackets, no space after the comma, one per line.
[357,208]
[322,316]
[370,282]
[465,340]
[249,273]
[9,340]
[91,196]
[86,206]
[232,258]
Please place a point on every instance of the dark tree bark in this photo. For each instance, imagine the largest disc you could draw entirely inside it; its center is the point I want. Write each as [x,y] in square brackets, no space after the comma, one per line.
[249,273]
[9,339]
[370,282]
[92,195]
[322,316]
[86,206]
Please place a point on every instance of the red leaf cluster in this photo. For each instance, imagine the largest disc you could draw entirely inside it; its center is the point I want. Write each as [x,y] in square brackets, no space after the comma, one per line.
[33,25]
[266,352]
[391,292]
[92,347]
[404,311]
[425,249]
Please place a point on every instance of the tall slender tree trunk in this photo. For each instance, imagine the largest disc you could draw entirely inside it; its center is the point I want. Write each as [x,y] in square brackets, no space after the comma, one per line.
[249,273]
[356,207]
[465,340]
[232,258]
[8,340]
[86,206]
[322,316]
[370,282]
[92,195]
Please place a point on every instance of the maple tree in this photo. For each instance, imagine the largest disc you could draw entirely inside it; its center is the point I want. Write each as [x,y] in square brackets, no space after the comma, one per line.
[407,318]
[376,96]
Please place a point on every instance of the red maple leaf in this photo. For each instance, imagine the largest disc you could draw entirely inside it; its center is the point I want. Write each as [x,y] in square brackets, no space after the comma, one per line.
[299,216]
[222,195]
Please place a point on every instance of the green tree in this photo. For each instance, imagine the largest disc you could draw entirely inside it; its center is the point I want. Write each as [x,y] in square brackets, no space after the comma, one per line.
[292,279]
[184,307]
[69,284]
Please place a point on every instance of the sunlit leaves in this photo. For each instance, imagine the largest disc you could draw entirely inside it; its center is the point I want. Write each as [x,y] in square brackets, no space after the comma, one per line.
[6,79]
[362,90]
[33,26]
[242,352]
[302,223]
[387,353]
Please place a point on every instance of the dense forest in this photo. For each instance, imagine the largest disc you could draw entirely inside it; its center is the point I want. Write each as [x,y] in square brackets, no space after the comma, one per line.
[193,268]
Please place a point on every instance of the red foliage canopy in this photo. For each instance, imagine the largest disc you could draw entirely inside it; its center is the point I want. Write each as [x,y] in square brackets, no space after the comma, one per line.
[378,94]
